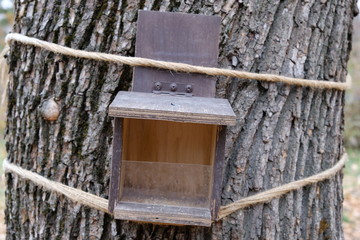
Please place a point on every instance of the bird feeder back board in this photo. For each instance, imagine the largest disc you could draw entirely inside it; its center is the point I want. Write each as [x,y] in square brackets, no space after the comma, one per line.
[176,37]
[169,132]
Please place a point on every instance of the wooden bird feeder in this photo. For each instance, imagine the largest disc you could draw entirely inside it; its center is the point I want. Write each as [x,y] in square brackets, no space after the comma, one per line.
[169,134]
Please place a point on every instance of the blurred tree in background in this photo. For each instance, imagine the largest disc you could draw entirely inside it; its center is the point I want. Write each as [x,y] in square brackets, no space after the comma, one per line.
[352,109]
[6,21]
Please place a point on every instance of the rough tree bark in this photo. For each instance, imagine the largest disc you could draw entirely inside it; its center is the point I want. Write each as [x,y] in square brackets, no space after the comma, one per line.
[283,133]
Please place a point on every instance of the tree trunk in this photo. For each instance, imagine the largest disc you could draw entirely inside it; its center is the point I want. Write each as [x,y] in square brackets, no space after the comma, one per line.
[283,133]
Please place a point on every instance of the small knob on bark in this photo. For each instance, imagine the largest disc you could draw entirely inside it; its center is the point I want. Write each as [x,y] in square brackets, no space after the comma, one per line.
[50,110]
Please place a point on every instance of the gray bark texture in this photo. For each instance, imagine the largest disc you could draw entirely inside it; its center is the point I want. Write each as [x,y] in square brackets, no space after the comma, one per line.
[283,133]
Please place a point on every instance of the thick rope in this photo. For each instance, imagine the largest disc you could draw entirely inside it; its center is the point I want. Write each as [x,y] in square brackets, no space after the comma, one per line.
[93,201]
[76,195]
[281,190]
[180,67]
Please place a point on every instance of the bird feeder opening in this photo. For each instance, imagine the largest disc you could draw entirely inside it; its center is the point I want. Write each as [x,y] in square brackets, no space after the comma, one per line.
[167,163]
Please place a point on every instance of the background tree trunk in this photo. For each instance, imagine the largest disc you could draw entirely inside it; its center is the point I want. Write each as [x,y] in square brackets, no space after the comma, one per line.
[283,133]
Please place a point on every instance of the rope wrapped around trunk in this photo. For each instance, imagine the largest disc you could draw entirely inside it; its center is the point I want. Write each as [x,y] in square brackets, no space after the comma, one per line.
[179,67]
[101,204]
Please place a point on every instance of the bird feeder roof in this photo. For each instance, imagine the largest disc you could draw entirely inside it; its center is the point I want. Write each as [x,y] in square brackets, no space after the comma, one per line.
[172,108]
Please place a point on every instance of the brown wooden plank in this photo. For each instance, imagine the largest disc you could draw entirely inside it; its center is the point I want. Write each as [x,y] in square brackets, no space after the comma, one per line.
[218,172]
[172,108]
[163,214]
[173,142]
[177,37]
[115,163]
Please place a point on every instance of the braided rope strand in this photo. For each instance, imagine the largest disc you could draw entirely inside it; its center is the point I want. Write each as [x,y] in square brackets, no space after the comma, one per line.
[281,190]
[179,67]
[76,195]
[101,204]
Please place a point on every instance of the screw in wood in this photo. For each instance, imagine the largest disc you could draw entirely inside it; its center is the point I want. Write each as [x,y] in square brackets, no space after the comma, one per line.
[173,87]
[158,86]
[189,88]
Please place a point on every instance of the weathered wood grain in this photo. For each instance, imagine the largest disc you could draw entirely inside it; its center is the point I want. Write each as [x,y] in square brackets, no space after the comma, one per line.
[218,172]
[172,108]
[193,40]
[117,154]
[164,214]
